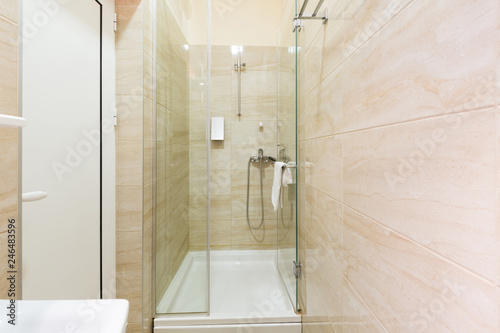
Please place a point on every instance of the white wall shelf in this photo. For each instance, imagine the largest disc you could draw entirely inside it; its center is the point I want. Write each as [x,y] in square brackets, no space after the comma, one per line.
[11,121]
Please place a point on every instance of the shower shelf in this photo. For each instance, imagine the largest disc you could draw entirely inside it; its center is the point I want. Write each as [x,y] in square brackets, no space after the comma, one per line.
[11,121]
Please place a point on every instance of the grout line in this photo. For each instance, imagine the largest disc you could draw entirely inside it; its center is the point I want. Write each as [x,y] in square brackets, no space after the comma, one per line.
[397,233]
[405,122]
[8,20]
[364,302]
[344,278]
[362,45]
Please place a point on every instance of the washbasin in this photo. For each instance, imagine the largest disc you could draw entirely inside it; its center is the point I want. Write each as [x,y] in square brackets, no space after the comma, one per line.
[82,316]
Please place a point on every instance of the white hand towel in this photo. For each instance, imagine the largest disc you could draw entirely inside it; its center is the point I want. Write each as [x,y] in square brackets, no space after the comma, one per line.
[278,179]
[287,177]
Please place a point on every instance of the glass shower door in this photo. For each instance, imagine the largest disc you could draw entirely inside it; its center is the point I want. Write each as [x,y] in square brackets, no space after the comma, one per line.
[181,209]
[287,50]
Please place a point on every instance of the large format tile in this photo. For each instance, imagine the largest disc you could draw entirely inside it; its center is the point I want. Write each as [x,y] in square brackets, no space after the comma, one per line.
[130,27]
[129,208]
[323,283]
[323,108]
[324,223]
[356,316]
[129,72]
[245,238]
[363,19]
[8,67]
[9,10]
[324,165]
[129,163]
[8,175]
[433,181]
[411,289]
[432,66]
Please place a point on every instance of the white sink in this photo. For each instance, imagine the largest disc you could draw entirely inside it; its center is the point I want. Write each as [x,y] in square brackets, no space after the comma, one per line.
[86,316]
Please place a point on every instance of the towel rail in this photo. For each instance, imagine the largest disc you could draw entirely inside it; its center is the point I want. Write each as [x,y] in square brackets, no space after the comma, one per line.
[290,165]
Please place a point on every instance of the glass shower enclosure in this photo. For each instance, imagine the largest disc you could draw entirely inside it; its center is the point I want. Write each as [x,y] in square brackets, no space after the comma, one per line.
[225,115]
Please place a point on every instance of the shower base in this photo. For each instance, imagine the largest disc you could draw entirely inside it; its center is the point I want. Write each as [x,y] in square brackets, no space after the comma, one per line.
[247,295]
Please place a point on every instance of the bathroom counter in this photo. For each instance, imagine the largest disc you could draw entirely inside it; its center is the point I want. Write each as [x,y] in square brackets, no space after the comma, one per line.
[85,316]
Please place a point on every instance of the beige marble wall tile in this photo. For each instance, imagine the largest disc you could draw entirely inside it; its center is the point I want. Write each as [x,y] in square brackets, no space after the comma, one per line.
[323,108]
[148,119]
[220,95]
[259,58]
[148,27]
[362,20]
[128,208]
[148,76]
[130,27]
[8,175]
[324,165]
[239,202]
[128,255]
[220,234]
[129,116]
[432,180]
[8,136]
[8,67]
[222,59]
[323,283]
[220,182]
[128,2]
[148,162]
[174,155]
[418,65]
[438,296]
[9,10]
[245,238]
[129,72]
[251,135]
[324,223]
[356,317]
[148,209]
[129,163]
[364,71]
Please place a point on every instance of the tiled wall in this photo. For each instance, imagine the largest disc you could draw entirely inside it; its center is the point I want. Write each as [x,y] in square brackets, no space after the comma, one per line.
[398,145]
[8,136]
[133,151]
[172,142]
[229,158]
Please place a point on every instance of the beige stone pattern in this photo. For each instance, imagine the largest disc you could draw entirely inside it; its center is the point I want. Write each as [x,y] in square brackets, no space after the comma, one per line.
[229,158]
[8,136]
[398,136]
[172,149]
[131,168]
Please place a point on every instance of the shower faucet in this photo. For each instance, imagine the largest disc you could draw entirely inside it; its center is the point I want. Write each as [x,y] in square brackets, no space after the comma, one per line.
[261,157]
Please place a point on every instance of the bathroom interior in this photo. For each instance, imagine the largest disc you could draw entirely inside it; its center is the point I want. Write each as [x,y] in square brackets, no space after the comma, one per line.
[266,166]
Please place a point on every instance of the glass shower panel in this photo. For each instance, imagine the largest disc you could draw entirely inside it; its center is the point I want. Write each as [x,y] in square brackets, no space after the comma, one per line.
[182,158]
[287,150]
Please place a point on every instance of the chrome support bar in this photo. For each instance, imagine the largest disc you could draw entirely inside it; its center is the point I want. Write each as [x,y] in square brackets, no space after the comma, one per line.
[304,5]
[318,7]
[297,21]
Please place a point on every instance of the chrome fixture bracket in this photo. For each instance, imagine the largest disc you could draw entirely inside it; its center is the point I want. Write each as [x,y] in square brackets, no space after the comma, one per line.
[297,269]
[298,21]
